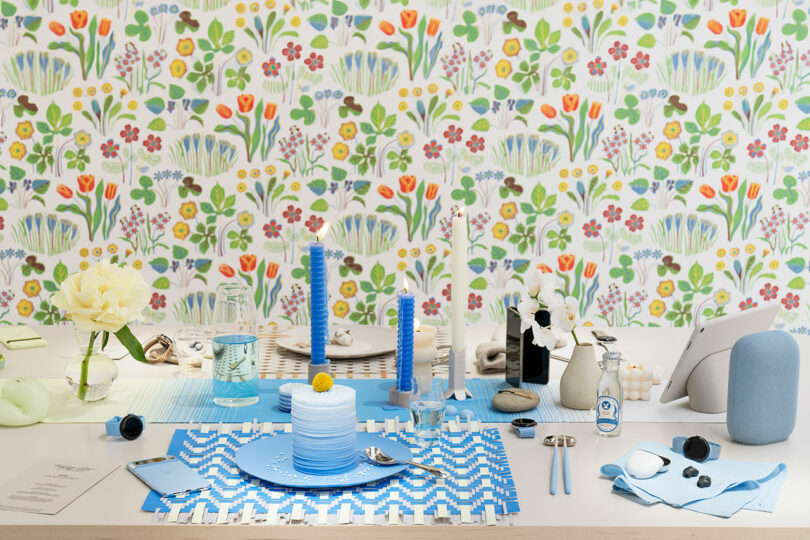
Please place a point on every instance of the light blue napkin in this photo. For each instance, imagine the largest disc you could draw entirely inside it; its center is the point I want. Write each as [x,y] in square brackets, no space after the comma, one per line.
[735,484]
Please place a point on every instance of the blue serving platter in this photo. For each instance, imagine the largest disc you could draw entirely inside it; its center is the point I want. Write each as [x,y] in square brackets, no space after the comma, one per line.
[270,458]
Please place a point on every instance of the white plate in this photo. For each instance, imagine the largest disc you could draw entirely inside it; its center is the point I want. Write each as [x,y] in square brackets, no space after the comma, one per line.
[368,341]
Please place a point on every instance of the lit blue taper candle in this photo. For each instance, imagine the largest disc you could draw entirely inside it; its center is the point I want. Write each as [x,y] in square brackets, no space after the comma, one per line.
[405,341]
[319,301]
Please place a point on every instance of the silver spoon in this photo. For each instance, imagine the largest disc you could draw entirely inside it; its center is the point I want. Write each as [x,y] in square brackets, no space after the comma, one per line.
[381,458]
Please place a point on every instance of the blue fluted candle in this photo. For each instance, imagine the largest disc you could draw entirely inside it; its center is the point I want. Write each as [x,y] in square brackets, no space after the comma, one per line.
[319,303]
[405,342]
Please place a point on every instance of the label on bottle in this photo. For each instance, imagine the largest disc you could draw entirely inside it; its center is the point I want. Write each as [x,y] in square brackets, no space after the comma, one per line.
[607,414]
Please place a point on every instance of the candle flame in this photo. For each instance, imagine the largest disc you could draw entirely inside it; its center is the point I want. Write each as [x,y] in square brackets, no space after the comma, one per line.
[460,212]
[322,231]
[405,284]
[416,324]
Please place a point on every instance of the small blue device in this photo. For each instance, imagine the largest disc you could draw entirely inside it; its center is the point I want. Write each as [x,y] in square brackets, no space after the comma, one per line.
[168,475]
[763,387]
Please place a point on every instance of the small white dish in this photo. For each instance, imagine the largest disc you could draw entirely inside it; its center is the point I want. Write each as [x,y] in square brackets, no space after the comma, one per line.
[368,341]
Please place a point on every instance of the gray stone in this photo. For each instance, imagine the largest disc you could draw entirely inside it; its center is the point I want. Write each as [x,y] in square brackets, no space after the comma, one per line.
[511,400]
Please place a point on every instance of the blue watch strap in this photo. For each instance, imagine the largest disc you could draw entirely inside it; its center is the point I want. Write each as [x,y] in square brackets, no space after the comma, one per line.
[525,432]
[679,441]
[113,426]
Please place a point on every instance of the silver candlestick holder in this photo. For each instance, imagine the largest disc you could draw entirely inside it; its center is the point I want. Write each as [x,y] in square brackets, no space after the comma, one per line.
[399,397]
[455,383]
[314,369]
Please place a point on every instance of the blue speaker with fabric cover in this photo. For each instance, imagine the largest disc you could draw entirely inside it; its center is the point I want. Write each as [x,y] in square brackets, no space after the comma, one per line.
[763,387]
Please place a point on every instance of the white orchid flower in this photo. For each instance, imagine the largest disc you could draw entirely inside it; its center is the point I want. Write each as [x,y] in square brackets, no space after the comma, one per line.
[526,308]
[534,281]
[543,337]
[564,314]
[547,294]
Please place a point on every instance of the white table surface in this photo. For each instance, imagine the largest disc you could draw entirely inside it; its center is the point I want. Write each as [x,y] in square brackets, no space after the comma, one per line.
[112,506]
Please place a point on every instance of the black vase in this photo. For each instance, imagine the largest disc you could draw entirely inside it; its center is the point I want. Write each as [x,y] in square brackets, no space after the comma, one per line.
[525,361]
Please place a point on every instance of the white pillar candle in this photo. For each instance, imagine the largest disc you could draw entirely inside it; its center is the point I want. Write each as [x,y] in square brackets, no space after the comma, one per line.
[424,349]
[458,273]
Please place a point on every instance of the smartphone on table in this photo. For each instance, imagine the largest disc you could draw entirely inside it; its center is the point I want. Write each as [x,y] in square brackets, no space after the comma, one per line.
[168,475]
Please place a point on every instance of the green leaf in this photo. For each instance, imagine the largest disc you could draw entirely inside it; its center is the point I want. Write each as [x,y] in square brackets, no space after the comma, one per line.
[158,124]
[320,205]
[479,284]
[179,252]
[482,124]
[796,283]
[131,343]
[804,124]
[319,42]
[161,283]
[640,205]
[647,41]
[60,272]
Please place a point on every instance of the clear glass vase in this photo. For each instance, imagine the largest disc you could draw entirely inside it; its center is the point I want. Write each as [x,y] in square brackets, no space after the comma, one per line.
[235,347]
[98,369]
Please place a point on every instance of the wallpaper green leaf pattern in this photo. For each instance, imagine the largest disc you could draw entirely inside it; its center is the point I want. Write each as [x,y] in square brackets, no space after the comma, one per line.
[653,154]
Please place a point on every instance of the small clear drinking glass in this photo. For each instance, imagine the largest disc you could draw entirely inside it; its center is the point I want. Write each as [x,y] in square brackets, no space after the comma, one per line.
[189,346]
[427,405]
[235,347]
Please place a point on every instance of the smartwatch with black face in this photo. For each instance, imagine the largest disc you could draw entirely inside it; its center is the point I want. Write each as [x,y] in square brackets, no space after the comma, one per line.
[696,448]
[524,427]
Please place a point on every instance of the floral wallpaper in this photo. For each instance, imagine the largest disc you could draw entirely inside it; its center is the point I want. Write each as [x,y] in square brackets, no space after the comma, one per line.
[652,153]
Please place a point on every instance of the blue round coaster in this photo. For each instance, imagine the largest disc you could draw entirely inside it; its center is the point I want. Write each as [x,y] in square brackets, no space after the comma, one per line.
[270,458]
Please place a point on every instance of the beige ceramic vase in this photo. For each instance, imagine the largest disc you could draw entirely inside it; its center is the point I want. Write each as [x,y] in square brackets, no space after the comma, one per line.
[580,379]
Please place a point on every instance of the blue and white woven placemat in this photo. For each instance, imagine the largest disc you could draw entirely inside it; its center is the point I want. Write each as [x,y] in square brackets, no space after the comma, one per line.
[480,490]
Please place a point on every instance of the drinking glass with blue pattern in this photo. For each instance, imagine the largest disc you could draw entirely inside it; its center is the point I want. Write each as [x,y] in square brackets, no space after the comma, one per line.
[235,347]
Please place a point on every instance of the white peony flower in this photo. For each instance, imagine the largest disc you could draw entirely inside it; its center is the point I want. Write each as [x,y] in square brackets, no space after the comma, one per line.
[564,314]
[543,337]
[105,297]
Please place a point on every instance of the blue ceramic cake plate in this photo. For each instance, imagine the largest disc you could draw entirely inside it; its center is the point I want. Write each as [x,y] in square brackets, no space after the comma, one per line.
[270,459]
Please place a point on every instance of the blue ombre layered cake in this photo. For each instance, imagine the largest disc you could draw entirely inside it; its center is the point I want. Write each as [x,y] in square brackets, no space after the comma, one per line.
[324,427]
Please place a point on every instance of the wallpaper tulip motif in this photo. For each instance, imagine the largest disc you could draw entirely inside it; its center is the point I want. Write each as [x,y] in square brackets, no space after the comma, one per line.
[653,154]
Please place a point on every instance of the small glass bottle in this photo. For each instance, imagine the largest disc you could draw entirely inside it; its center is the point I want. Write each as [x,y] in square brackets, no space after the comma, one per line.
[609,397]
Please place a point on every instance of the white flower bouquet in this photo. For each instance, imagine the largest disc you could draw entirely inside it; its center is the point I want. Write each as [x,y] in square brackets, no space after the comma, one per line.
[543,291]
[102,300]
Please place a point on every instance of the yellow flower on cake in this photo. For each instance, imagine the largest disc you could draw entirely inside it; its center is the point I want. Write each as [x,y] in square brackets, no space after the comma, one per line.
[322,382]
